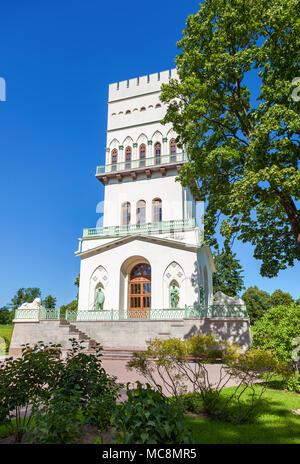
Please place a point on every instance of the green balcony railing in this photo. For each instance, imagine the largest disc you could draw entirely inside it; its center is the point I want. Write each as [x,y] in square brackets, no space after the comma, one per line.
[146,229]
[189,312]
[143,163]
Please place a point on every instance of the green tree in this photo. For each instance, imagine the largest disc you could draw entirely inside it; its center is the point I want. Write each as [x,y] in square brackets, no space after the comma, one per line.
[76,283]
[25,295]
[49,302]
[257,301]
[277,329]
[6,316]
[279,297]
[73,305]
[228,277]
[244,151]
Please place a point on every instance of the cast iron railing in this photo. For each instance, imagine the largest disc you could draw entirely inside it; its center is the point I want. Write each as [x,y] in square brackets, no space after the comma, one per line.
[143,163]
[189,312]
[144,229]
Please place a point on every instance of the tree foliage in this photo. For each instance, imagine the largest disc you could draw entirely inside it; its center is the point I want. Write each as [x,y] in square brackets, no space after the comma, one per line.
[228,277]
[257,302]
[279,298]
[6,316]
[277,329]
[49,302]
[244,152]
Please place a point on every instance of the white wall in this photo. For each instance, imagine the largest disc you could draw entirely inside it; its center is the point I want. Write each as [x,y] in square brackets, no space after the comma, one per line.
[158,256]
[165,188]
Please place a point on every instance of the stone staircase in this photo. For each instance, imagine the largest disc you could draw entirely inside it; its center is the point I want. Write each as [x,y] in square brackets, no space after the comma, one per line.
[107,353]
[79,335]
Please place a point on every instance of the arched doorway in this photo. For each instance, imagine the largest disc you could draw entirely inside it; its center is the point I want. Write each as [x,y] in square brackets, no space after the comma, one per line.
[140,291]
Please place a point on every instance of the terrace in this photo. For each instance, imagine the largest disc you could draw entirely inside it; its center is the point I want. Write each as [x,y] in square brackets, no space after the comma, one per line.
[132,167]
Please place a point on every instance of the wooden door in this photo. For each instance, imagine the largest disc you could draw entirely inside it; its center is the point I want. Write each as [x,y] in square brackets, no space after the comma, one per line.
[140,291]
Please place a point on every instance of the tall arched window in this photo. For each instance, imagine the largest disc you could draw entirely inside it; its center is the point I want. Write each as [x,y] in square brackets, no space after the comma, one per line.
[125,214]
[157,152]
[142,155]
[127,157]
[114,159]
[157,210]
[173,150]
[141,212]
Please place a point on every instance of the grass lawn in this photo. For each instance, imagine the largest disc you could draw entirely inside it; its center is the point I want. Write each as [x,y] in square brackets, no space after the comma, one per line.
[275,425]
[6,331]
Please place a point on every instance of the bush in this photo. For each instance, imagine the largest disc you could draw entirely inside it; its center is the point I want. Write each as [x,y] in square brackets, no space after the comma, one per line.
[24,380]
[98,391]
[4,345]
[276,331]
[39,374]
[56,421]
[293,383]
[148,418]
[177,362]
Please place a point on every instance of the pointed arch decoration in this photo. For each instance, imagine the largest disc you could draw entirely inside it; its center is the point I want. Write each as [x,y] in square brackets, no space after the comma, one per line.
[98,279]
[174,273]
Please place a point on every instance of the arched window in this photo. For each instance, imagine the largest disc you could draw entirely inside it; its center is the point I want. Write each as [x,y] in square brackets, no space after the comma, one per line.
[143,108]
[157,210]
[142,155]
[158,105]
[125,214]
[157,152]
[127,157]
[141,212]
[173,150]
[114,159]
[127,112]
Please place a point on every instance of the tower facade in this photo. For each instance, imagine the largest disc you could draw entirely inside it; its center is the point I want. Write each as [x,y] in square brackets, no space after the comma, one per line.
[148,254]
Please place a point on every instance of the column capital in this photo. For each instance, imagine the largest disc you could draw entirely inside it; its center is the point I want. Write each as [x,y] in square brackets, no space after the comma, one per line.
[121,147]
[149,142]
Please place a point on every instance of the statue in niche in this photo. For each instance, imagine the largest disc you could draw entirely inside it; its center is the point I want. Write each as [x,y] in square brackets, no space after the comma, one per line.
[174,294]
[99,299]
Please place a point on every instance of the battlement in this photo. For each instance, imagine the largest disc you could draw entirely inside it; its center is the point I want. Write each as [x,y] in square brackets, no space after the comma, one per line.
[140,85]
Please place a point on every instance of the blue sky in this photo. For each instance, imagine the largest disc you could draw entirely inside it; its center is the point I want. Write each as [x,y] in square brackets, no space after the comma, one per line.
[57,59]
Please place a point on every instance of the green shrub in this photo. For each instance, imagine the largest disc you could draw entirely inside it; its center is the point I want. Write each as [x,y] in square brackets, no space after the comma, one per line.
[4,344]
[276,331]
[177,362]
[24,380]
[56,421]
[191,402]
[98,391]
[37,375]
[293,383]
[147,417]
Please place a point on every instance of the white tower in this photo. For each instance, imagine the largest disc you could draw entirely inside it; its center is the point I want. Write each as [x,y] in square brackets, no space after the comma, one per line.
[150,242]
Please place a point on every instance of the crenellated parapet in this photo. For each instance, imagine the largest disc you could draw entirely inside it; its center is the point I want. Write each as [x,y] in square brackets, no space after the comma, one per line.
[140,85]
